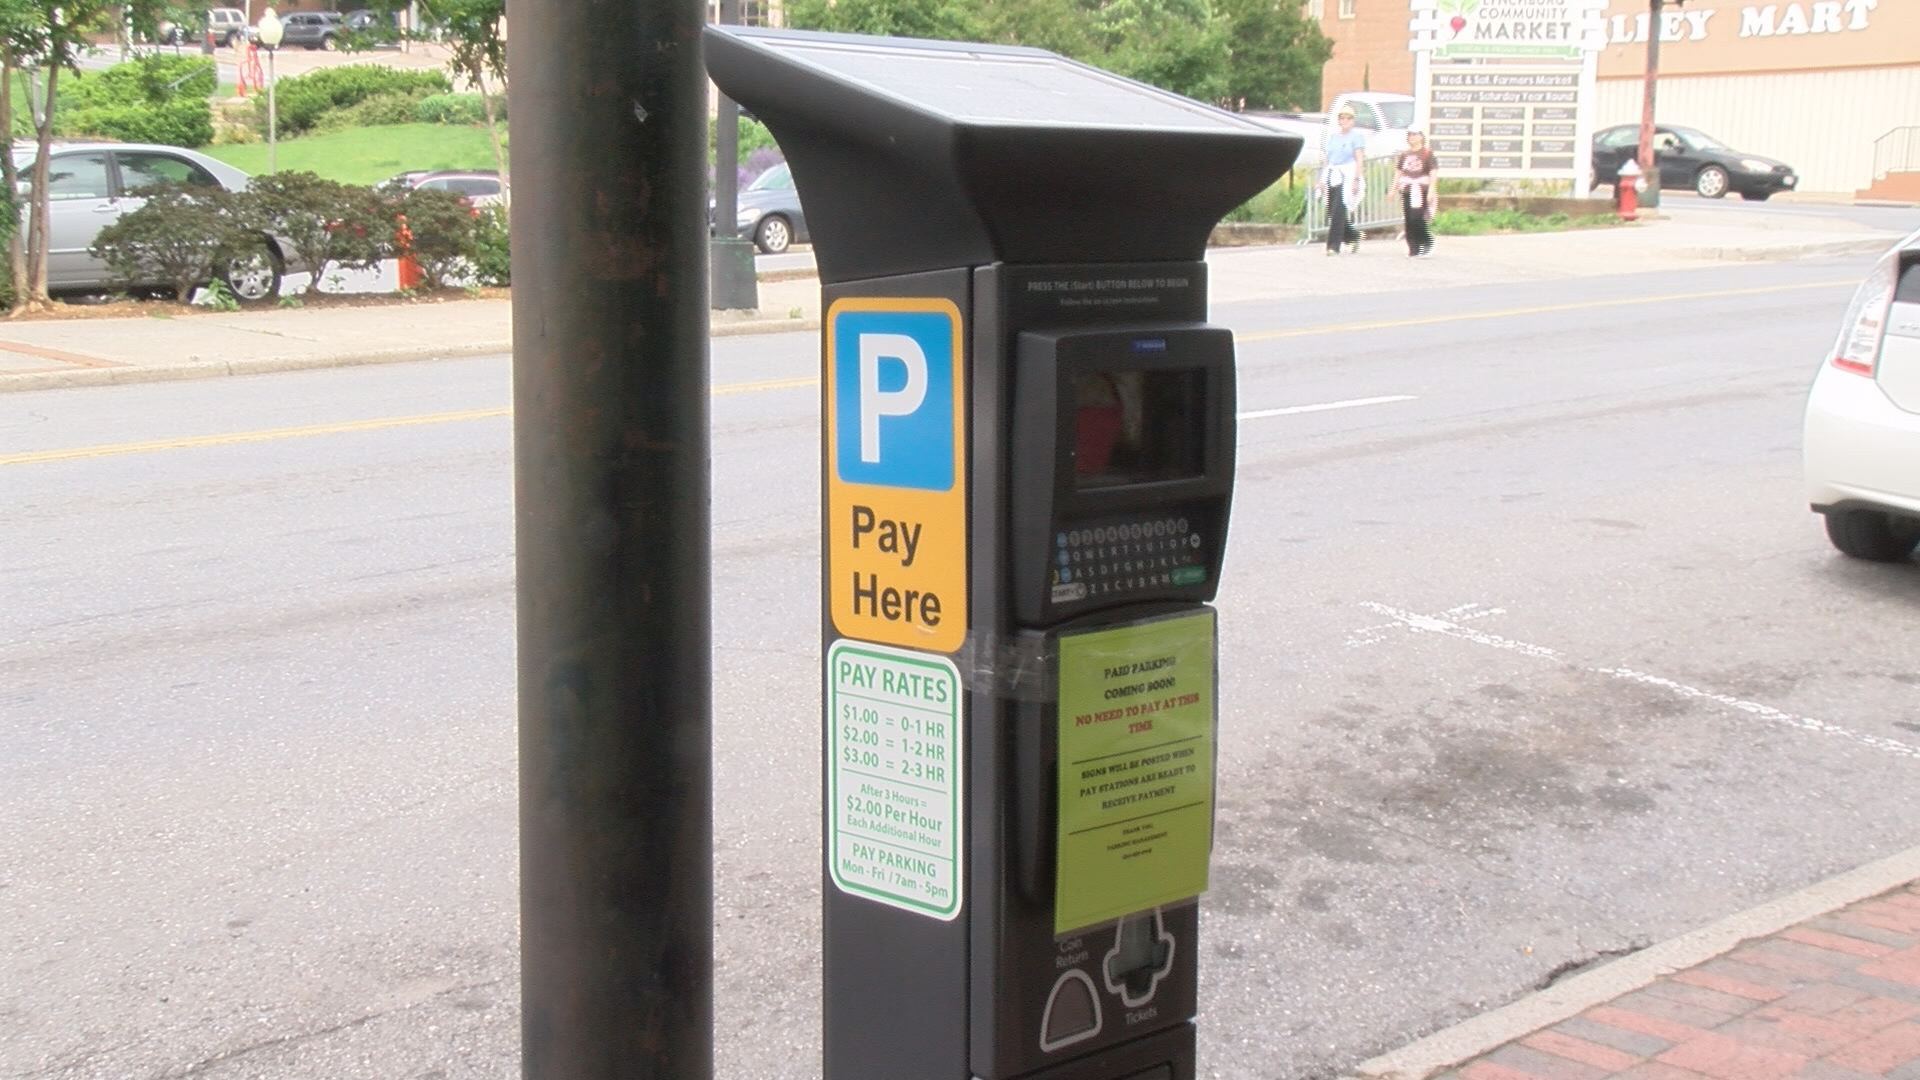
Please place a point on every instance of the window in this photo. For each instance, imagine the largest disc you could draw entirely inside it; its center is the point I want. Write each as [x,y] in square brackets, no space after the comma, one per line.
[1316,9]
[1617,138]
[78,176]
[778,178]
[1346,8]
[139,172]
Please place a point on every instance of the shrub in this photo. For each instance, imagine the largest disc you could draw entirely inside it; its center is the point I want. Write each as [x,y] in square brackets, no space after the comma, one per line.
[492,258]
[327,222]
[147,80]
[444,229]
[458,109]
[304,99]
[173,123]
[176,238]
[157,99]
[389,108]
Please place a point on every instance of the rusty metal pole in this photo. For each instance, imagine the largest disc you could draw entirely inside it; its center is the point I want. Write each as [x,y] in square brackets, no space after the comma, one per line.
[611,471]
[734,282]
[1649,167]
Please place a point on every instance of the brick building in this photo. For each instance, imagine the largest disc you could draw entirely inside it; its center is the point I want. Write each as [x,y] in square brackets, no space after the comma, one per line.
[1829,86]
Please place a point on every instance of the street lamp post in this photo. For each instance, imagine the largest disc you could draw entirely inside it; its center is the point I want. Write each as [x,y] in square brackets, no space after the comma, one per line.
[271,33]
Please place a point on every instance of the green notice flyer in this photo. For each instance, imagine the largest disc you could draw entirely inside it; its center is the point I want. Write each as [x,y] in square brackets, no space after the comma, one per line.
[1136,768]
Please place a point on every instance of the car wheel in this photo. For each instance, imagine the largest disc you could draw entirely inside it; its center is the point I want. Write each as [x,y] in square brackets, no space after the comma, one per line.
[1711,182]
[1872,535]
[774,234]
[330,43]
[254,275]
[1756,196]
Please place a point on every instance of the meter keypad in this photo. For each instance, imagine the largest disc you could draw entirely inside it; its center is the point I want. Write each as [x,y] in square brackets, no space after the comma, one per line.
[1114,558]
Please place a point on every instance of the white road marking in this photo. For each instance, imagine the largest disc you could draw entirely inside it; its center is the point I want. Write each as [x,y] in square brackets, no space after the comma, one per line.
[1434,624]
[1373,635]
[1327,406]
[1767,712]
[1453,627]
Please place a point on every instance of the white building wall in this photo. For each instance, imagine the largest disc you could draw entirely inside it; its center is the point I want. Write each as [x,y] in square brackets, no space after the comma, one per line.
[1823,123]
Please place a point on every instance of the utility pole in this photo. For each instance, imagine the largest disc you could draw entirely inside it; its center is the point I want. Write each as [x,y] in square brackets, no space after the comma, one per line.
[1649,167]
[734,284]
[612,527]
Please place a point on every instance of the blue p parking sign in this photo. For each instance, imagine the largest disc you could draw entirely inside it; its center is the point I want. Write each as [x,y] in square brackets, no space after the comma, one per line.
[893,384]
[896,471]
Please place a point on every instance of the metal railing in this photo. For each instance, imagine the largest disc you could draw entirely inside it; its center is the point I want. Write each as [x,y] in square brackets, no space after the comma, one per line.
[1379,203]
[1897,151]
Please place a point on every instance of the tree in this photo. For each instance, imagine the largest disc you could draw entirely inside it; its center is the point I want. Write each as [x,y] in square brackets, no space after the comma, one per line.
[948,20]
[46,36]
[471,31]
[1177,45]
[1274,54]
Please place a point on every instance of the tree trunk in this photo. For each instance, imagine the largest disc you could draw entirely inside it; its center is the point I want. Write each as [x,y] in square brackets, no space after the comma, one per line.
[38,238]
[10,176]
[493,133]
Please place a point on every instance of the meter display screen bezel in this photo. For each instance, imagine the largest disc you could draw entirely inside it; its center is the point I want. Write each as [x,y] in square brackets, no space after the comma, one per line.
[1046,494]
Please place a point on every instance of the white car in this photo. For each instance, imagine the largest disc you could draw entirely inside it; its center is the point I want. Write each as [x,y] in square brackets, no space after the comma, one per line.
[1863,416]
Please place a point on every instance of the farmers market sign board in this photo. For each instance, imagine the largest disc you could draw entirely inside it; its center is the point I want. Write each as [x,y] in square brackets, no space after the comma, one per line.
[1504,88]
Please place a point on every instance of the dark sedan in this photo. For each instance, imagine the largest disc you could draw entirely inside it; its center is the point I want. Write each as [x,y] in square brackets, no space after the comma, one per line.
[1692,160]
[770,211]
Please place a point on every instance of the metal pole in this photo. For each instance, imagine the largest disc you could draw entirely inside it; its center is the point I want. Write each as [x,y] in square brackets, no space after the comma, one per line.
[273,115]
[735,283]
[1648,166]
[611,476]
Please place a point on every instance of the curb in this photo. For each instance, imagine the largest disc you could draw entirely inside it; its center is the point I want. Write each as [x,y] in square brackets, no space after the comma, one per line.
[1489,1031]
[116,376]
[1793,251]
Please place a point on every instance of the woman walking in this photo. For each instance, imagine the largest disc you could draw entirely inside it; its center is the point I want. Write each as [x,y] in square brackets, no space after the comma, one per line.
[1340,182]
[1414,180]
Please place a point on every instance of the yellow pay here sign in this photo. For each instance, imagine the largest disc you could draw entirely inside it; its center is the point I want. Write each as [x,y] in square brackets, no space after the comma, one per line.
[896,472]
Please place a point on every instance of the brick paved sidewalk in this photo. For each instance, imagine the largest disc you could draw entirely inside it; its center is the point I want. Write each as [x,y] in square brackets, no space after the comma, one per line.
[1833,998]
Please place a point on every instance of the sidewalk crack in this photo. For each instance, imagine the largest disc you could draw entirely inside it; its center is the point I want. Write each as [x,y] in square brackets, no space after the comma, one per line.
[296,1038]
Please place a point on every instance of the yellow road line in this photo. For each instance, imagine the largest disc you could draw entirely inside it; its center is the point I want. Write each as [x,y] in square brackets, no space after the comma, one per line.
[347,427]
[1544,309]
[730,389]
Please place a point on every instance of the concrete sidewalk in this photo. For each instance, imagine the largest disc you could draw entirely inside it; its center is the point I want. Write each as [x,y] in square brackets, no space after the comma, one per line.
[41,354]
[1823,984]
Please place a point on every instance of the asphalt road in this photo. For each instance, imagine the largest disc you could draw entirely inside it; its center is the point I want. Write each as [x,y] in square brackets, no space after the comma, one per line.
[1532,654]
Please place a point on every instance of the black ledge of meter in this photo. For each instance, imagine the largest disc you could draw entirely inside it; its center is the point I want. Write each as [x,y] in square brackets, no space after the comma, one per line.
[924,155]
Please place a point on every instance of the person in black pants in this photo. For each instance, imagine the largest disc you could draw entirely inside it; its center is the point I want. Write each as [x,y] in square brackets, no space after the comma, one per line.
[1346,155]
[1415,179]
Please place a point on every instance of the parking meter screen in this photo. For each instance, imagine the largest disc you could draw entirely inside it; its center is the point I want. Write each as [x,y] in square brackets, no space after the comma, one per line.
[1137,427]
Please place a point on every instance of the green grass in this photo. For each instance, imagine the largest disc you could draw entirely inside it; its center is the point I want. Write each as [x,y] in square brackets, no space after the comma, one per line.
[369,155]
[1481,222]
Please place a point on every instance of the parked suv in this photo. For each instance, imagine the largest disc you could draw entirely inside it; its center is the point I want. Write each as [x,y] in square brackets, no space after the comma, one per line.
[313,30]
[226,25]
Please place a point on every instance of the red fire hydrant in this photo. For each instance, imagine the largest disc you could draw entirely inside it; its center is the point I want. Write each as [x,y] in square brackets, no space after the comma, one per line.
[1627,189]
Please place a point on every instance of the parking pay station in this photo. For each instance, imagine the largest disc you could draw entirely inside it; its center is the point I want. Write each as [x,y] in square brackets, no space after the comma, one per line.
[1028,439]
